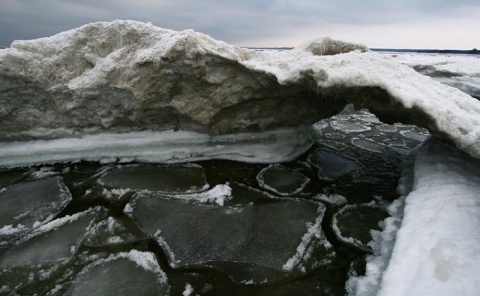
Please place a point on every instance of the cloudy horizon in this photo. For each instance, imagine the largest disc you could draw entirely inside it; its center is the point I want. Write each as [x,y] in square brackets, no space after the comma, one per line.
[408,24]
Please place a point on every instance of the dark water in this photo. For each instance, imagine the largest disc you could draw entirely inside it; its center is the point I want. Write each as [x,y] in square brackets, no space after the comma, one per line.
[355,157]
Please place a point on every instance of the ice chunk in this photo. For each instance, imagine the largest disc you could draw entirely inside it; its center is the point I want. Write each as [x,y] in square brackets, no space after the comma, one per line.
[112,231]
[282,180]
[353,224]
[386,128]
[132,273]
[368,145]
[51,246]
[217,195]
[31,203]
[332,166]
[333,199]
[417,136]
[251,244]
[187,178]
[348,126]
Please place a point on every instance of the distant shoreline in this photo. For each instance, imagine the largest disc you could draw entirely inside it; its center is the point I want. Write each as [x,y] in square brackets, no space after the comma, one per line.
[392,50]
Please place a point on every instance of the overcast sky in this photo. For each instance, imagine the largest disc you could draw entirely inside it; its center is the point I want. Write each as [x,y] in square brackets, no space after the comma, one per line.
[376,23]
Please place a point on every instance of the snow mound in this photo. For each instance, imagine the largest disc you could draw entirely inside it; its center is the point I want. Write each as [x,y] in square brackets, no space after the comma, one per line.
[329,46]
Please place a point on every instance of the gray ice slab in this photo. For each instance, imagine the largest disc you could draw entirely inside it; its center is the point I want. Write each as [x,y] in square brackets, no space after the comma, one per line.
[249,243]
[39,201]
[133,273]
[161,178]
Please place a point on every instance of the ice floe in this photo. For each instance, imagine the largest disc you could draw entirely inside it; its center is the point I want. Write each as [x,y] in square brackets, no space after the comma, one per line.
[353,224]
[262,242]
[130,273]
[282,180]
[110,232]
[171,179]
[38,255]
[31,203]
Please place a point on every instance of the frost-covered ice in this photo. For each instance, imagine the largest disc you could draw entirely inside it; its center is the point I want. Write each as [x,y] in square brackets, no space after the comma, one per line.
[188,178]
[333,199]
[160,147]
[218,195]
[254,243]
[31,203]
[131,273]
[112,231]
[282,180]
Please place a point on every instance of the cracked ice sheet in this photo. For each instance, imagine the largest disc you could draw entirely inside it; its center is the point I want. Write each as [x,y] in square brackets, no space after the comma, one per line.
[437,251]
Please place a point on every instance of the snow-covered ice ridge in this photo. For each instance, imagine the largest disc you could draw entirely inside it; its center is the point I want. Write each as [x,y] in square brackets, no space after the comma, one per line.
[125,76]
[437,246]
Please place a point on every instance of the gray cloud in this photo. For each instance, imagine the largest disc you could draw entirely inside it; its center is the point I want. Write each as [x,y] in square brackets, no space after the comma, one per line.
[232,21]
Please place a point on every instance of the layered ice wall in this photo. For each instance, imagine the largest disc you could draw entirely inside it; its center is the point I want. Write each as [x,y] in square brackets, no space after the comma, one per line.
[128,76]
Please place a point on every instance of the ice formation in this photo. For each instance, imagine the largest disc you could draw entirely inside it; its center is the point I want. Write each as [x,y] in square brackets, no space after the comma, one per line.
[456,70]
[436,249]
[30,204]
[128,76]
[282,180]
[332,166]
[38,255]
[183,178]
[262,242]
[160,147]
[352,224]
[131,273]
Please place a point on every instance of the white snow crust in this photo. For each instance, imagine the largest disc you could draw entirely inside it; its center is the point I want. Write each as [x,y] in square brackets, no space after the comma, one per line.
[431,244]
[437,250]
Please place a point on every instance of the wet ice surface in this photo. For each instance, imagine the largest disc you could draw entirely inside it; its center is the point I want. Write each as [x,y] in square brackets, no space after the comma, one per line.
[259,240]
[332,166]
[133,273]
[30,203]
[166,178]
[217,227]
